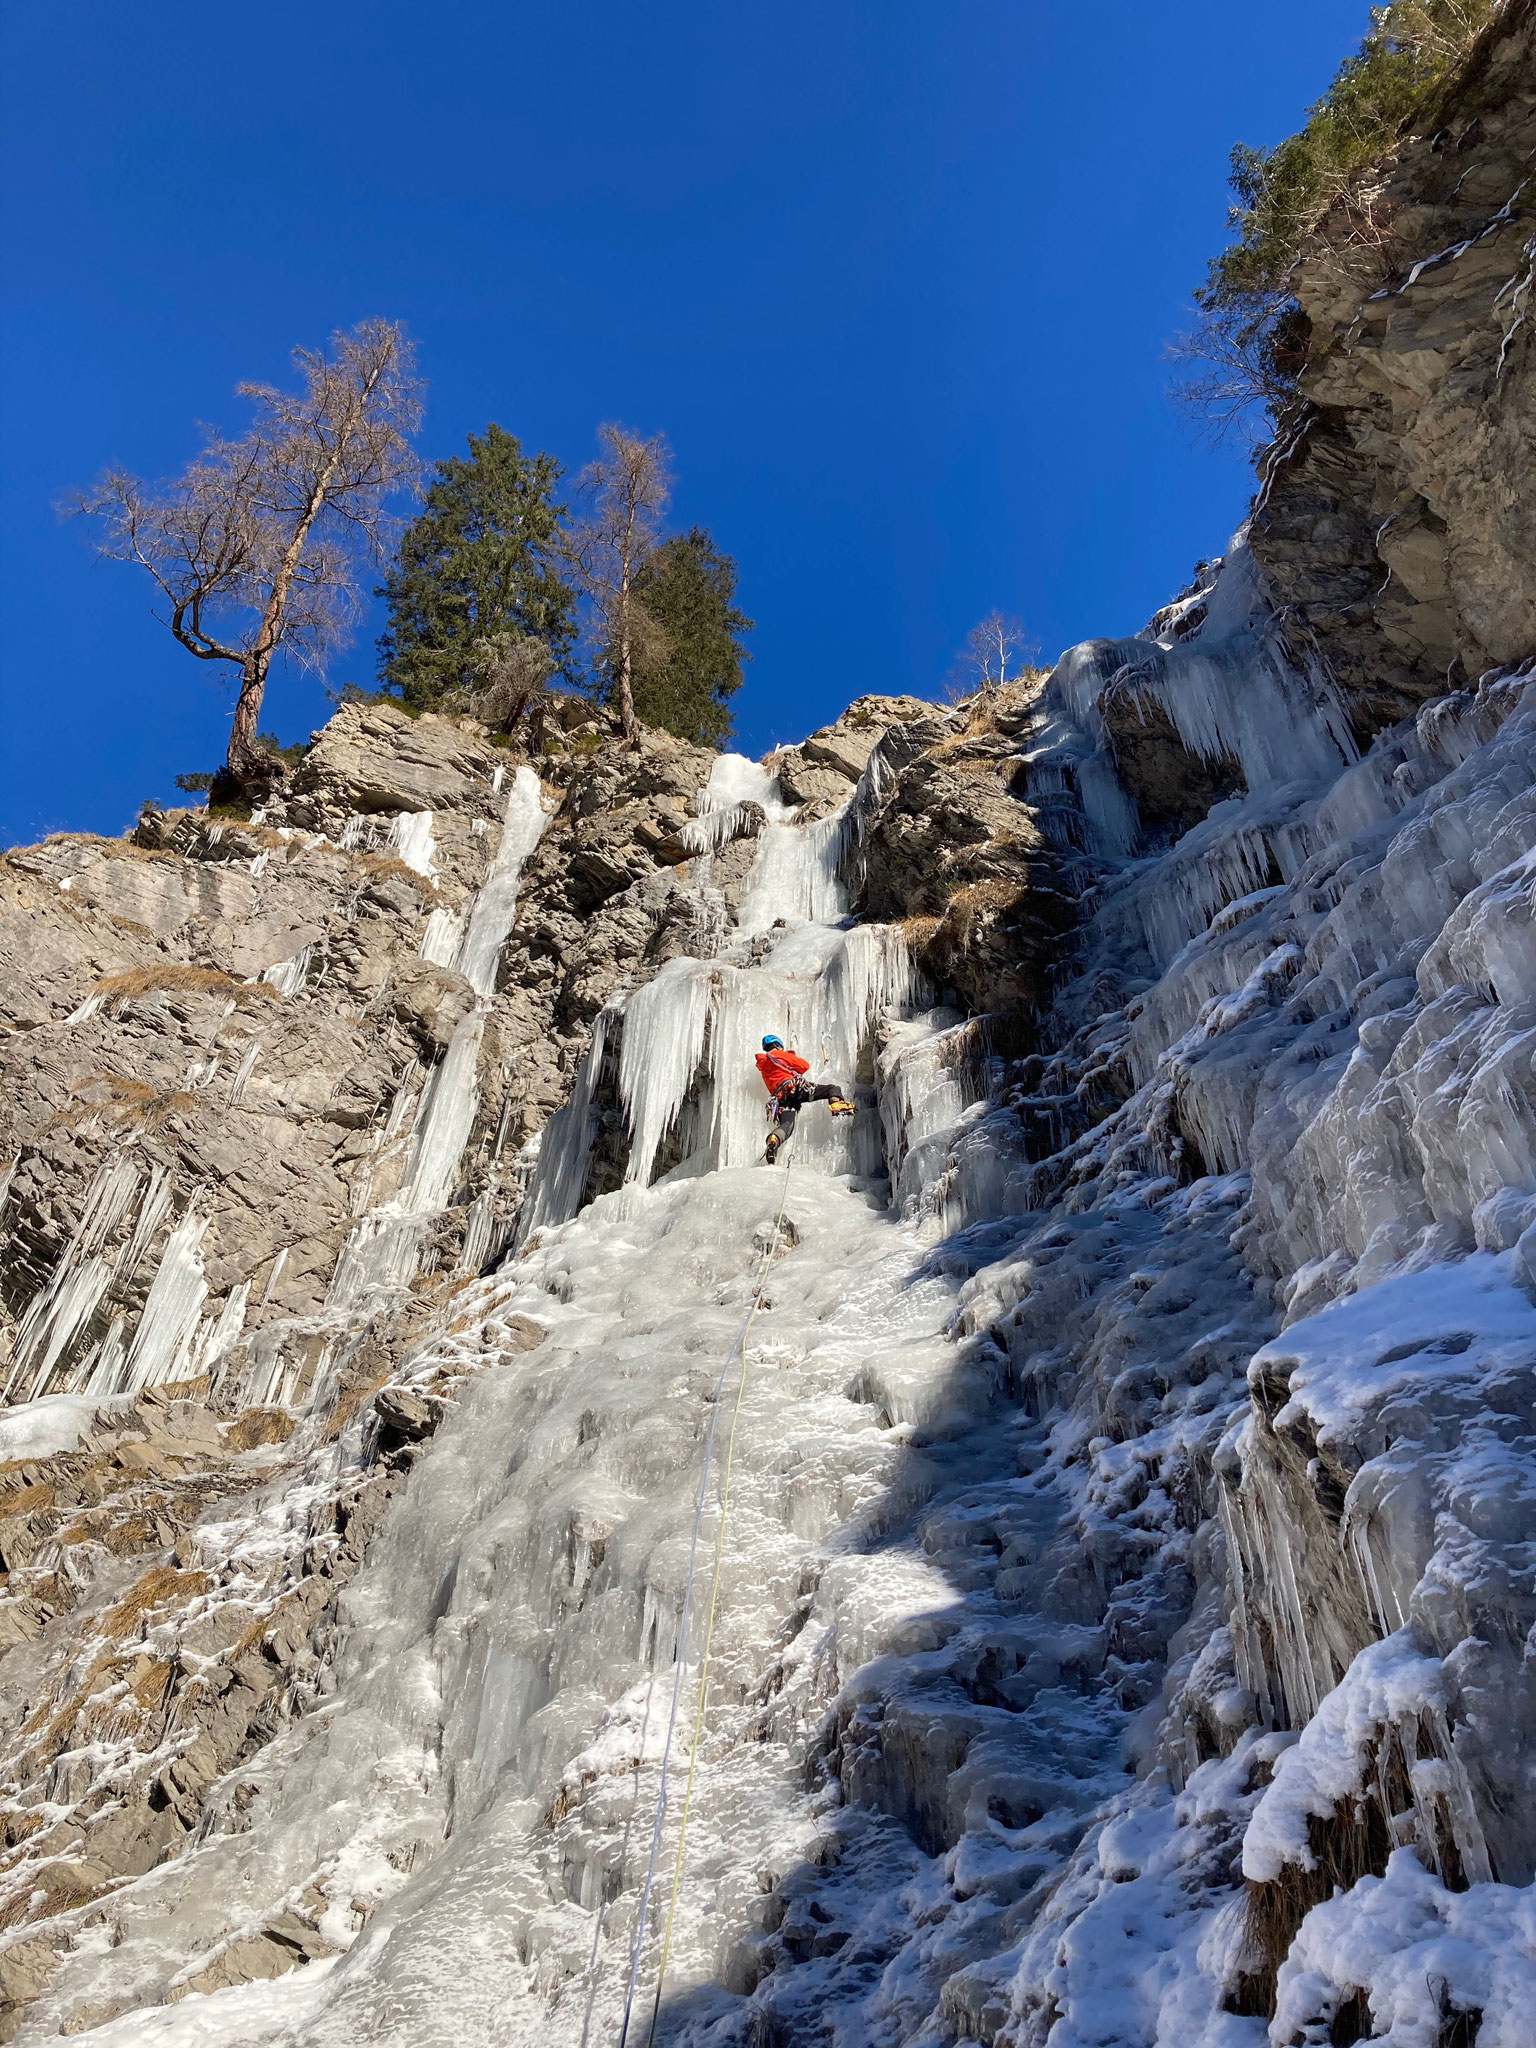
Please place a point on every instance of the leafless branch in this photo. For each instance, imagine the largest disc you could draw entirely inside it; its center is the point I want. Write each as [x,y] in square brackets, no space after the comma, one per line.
[257,544]
[627,490]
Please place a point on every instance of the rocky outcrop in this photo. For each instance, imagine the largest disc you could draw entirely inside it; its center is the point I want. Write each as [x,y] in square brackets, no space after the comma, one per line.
[238,1018]
[952,843]
[1397,526]
[820,773]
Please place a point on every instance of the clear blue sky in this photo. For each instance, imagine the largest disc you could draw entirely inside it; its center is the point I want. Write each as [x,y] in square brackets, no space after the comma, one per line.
[894,278]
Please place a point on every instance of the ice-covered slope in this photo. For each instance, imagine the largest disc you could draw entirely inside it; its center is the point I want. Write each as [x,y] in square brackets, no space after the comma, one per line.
[1129,1488]
[1120,1632]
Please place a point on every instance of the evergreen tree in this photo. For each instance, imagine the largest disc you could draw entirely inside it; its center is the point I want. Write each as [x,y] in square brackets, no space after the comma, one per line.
[687,587]
[480,561]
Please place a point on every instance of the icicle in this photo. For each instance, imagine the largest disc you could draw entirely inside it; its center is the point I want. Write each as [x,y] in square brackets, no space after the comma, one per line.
[565,1144]
[102,1373]
[444,1120]
[479,1227]
[171,1310]
[440,940]
[244,1072]
[796,877]
[61,1310]
[274,1276]
[287,976]
[716,829]
[664,1025]
[411,837]
[494,908]
[221,1334]
[734,781]
[384,1245]
[55,1319]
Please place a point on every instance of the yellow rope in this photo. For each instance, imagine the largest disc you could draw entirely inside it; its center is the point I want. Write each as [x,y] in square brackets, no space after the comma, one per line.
[709,1630]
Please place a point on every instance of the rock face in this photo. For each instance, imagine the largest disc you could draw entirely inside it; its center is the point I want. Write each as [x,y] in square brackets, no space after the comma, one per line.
[1051,1564]
[229,1050]
[1399,544]
[955,844]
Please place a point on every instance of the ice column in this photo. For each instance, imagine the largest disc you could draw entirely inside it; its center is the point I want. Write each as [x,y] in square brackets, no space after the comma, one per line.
[382,1249]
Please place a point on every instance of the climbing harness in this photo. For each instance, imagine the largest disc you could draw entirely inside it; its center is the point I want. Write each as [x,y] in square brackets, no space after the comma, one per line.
[738,1345]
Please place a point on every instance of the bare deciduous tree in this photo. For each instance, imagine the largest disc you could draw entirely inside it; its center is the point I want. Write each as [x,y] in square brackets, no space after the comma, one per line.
[627,489]
[513,669]
[997,649]
[257,544]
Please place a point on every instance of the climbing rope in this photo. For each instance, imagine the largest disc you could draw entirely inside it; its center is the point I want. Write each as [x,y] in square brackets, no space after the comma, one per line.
[602,1903]
[739,1344]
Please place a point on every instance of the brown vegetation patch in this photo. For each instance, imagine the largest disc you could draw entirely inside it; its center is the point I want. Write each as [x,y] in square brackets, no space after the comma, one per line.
[128,1537]
[1354,1842]
[194,1389]
[51,1725]
[113,849]
[381,865]
[150,1682]
[977,901]
[130,1102]
[253,1427]
[347,1402]
[160,1584]
[64,1885]
[168,976]
[37,1495]
[21,1824]
[104,1087]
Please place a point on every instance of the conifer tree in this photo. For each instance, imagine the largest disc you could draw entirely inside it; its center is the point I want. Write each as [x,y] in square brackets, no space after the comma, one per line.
[479,562]
[688,586]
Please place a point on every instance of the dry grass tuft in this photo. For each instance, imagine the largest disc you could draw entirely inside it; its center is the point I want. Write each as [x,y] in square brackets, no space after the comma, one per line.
[347,1402]
[382,865]
[194,1389]
[253,1427]
[64,1886]
[114,849]
[38,1495]
[106,1086]
[170,976]
[160,1584]
[977,901]
[1354,1842]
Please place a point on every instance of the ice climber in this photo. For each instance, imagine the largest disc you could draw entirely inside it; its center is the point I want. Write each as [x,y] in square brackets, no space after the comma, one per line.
[788,1091]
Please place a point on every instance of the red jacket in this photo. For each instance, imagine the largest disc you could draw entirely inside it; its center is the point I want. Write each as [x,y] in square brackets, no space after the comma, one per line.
[781,1069]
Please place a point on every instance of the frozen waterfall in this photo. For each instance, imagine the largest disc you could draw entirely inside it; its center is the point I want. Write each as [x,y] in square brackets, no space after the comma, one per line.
[1131,1496]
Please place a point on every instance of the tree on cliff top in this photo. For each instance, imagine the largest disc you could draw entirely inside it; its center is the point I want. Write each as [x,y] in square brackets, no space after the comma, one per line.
[1252,338]
[259,542]
[997,650]
[479,563]
[627,490]
[688,587]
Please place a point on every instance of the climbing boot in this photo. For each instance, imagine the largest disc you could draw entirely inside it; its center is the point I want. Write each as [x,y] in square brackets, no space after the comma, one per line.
[771,1149]
[841,1106]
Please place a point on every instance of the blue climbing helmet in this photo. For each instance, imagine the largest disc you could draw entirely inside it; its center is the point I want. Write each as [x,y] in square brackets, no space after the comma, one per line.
[772,1044]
